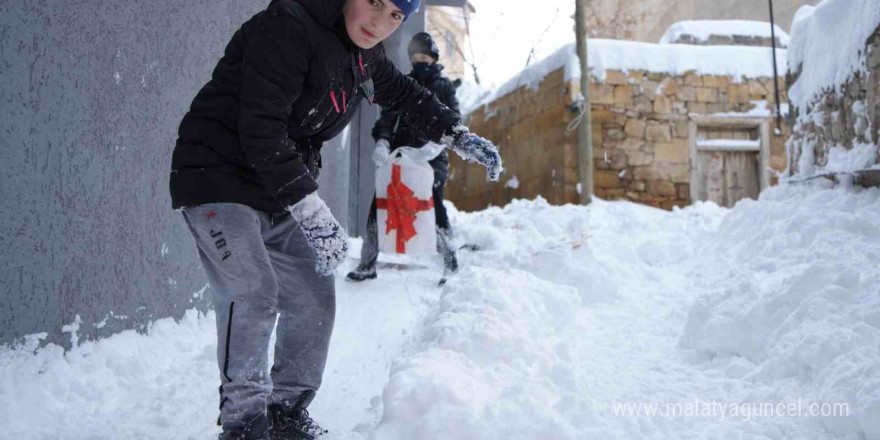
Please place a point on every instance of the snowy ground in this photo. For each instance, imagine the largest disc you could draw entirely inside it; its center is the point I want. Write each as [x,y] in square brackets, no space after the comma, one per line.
[565,316]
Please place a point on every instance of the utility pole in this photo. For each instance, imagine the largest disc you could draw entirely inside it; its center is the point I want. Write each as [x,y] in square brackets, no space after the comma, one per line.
[585,127]
[775,72]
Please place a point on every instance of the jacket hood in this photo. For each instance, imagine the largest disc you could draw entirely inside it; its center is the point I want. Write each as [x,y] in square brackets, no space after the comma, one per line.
[324,12]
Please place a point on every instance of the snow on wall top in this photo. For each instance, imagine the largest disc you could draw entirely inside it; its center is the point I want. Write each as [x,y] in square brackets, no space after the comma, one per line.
[737,62]
[703,29]
[828,41]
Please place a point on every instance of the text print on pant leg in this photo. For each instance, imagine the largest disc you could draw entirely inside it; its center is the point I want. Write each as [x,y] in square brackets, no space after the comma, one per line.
[219,241]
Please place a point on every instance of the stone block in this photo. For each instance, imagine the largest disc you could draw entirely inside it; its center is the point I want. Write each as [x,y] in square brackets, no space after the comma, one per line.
[614,133]
[716,107]
[677,151]
[676,173]
[757,89]
[691,79]
[635,76]
[661,188]
[615,77]
[715,82]
[668,86]
[738,93]
[658,133]
[618,160]
[699,108]
[601,94]
[705,94]
[642,104]
[687,93]
[631,144]
[681,129]
[622,95]
[639,158]
[649,89]
[599,115]
[662,104]
[635,128]
[684,191]
[606,179]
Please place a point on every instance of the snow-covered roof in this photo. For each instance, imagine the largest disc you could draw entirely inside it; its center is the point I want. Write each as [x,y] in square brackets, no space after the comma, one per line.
[702,30]
[829,42]
[737,62]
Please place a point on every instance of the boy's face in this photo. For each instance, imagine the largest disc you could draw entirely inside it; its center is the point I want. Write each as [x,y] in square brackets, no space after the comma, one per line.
[370,21]
[421,58]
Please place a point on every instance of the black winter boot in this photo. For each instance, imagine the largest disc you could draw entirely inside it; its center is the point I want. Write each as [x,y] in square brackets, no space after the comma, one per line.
[362,273]
[295,424]
[255,429]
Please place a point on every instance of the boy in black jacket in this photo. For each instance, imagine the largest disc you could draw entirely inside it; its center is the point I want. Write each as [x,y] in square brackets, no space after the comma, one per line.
[244,175]
[392,132]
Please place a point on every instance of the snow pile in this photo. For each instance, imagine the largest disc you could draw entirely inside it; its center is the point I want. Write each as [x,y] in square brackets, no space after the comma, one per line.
[702,30]
[560,315]
[730,144]
[842,160]
[790,300]
[759,109]
[490,366]
[125,386]
[828,46]
[737,62]
[547,241]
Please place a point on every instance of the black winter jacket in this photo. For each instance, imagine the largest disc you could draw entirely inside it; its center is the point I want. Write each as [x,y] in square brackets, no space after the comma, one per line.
[392,125]
[289,80]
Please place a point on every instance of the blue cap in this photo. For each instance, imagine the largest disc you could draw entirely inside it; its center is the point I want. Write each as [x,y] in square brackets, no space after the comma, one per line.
[408,7]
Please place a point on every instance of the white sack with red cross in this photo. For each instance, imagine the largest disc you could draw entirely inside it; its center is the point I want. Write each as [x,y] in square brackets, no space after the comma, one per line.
[405,205]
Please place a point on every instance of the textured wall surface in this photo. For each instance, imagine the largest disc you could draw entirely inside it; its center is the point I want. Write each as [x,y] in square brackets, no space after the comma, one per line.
[641,138]
[845,118]
[91,94]
[647,20]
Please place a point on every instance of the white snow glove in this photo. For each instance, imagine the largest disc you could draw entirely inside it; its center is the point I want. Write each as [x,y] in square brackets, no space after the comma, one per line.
[473,148]
[323,233]
[382,152]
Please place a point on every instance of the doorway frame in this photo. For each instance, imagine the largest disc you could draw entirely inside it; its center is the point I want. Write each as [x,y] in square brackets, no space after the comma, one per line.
[761,124]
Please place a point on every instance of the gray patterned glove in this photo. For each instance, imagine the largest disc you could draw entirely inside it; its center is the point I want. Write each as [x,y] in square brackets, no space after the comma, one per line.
[323,233]
[474,148]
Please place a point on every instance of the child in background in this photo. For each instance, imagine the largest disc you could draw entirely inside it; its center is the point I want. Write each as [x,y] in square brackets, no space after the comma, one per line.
[391,132]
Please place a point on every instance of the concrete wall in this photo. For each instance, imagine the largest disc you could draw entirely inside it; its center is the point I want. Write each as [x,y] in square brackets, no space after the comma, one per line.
[91,94]
[648,20]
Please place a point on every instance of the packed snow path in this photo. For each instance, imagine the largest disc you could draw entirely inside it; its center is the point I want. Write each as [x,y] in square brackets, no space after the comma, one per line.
[566,322]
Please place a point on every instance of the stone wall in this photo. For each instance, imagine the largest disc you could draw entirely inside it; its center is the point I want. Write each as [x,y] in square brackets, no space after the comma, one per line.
[640,138]
[647,20]
[853,115]
[529,126]
[729,40]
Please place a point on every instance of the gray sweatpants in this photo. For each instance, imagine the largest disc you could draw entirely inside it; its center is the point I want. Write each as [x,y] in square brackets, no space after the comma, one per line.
[260,265]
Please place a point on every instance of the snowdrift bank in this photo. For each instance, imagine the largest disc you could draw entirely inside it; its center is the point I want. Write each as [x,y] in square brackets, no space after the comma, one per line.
[792,288]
